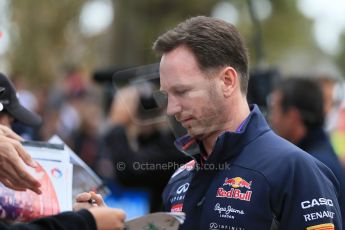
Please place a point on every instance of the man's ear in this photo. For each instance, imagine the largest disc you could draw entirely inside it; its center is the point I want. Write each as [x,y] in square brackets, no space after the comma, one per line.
[229,79]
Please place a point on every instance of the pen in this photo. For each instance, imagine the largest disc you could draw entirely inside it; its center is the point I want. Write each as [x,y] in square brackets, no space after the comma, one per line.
[92,201]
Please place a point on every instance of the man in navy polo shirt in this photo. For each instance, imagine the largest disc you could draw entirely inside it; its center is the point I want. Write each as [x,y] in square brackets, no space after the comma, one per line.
[242,175]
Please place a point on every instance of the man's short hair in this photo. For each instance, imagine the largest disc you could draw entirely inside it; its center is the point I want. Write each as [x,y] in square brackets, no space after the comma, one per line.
[305,95]
[214,42]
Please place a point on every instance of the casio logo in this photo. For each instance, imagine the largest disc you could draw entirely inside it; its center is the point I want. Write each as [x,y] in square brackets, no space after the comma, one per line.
[316,202]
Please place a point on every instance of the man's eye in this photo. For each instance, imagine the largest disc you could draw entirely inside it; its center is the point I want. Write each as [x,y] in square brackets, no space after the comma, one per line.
[180,92]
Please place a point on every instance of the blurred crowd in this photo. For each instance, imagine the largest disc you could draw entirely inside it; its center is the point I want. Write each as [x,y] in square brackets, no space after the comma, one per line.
[103,134]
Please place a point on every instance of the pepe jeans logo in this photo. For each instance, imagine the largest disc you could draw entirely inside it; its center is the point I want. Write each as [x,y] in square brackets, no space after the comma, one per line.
[183,188]
[236,184]
[227,210]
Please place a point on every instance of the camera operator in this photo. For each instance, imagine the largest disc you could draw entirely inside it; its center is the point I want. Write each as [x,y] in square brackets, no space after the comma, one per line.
[143,152]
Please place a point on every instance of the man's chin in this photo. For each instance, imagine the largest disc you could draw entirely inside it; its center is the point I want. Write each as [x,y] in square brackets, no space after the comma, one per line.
[198,134]
[193,133]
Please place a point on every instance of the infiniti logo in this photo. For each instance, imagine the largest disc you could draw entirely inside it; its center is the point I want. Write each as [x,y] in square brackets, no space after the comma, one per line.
[183,188]
[213,225]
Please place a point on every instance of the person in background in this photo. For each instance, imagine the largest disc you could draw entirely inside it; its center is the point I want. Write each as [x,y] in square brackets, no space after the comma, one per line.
[27,99]
[13,174]
[10,107]
[146,150]
[297,114]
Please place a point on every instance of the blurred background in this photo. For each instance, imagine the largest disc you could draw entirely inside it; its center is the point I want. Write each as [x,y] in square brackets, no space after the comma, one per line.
[61,56]
[40,39]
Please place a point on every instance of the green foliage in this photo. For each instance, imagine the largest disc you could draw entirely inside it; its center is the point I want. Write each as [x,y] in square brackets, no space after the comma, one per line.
[39,46]
[138,23]
[47,35]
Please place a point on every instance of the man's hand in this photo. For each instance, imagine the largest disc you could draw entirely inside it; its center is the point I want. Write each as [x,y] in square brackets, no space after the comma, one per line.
[12,155]
[7,132]
[87,200]
[108,218]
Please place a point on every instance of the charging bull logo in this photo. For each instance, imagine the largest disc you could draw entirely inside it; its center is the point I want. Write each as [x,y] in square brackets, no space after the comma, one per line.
[235,193]
[237,182]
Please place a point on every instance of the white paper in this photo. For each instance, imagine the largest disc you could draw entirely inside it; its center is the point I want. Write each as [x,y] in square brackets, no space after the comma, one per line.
[157,221]
[84,178]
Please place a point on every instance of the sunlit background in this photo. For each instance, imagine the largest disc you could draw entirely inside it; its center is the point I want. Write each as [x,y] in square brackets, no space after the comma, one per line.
[39,38]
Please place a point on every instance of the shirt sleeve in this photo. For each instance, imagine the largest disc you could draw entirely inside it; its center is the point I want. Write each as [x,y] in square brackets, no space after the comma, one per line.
[82,219]
[306,198]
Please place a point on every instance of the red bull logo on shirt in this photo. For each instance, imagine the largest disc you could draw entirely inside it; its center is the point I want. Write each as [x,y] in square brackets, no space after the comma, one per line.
[237,182]
[235,193]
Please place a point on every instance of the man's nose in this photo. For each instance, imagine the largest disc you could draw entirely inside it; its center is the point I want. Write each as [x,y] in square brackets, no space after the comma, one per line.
[173,106]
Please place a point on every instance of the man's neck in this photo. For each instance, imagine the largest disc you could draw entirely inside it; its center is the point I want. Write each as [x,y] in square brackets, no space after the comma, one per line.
[234,121]
[299,132]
